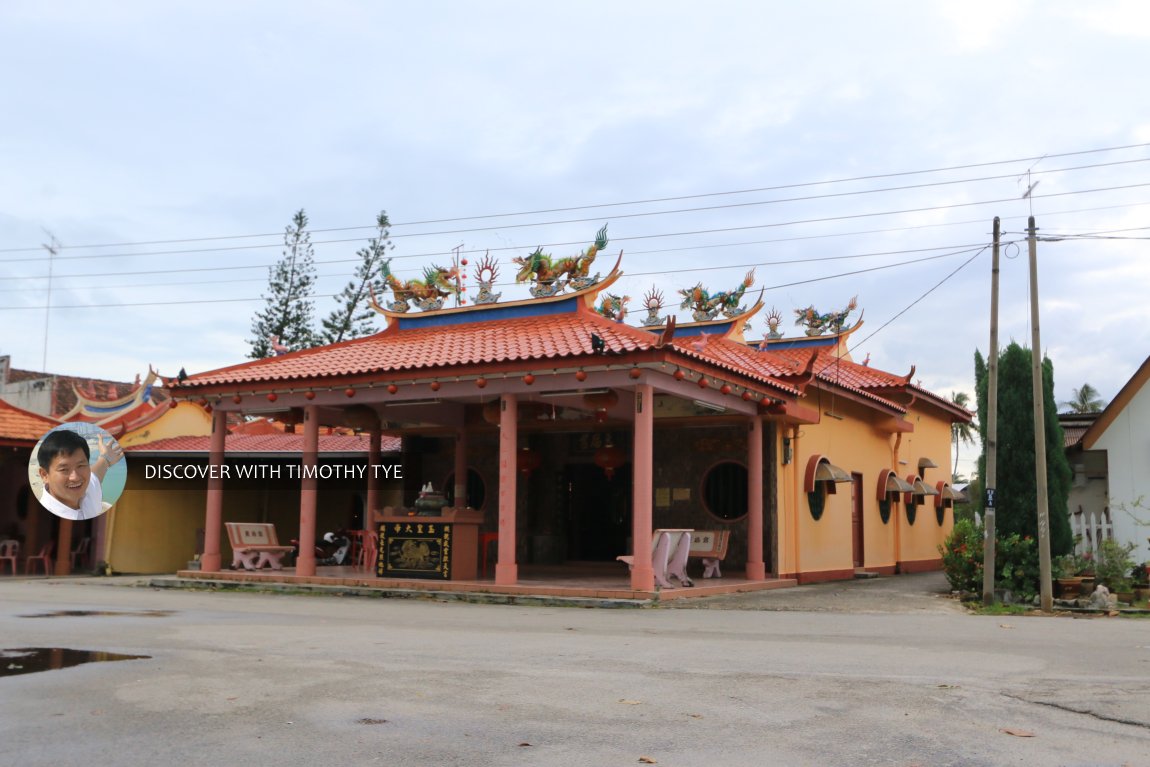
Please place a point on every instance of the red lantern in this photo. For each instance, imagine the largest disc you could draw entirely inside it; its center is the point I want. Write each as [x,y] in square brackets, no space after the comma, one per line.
[392,388]
[724,389]
[350,392]
[464,262]
[680,375]
[171,404]
[635,372]
[528,460]
[309,395]
[608,458]
[237,399]
[747,396]
[702,382]
[272,397]
[580,376]
[529,379]
[435,385]
[481,383]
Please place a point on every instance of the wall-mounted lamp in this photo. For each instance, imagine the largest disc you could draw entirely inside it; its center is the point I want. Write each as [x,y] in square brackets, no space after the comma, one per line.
[787,450]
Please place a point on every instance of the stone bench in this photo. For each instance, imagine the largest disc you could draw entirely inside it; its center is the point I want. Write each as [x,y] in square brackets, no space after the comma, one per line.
[254,544]
[711,547]
[669,552]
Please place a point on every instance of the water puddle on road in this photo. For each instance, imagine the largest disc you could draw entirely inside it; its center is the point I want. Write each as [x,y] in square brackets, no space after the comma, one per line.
[29,660]
[101,613]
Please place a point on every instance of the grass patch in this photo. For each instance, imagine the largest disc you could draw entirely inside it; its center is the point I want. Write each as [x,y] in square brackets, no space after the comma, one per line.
[978,608]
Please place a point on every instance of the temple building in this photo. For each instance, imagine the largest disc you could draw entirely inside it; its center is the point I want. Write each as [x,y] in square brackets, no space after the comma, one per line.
[566,435]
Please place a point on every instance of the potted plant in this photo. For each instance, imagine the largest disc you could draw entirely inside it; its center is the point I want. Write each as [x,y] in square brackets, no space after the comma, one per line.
[1074,574]
[1113,568]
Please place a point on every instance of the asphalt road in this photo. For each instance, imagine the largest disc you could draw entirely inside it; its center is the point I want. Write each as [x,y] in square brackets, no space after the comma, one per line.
[883,672]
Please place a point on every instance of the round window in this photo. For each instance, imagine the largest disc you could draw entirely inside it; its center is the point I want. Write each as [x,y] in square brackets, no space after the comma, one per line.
[725,490]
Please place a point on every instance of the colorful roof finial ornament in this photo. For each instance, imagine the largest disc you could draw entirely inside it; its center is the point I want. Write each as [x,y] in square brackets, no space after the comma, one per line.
[706,306]
[818,324]
[774,319]
[614,307]
[485,276]
[653,303]
[427,294]
[551,276]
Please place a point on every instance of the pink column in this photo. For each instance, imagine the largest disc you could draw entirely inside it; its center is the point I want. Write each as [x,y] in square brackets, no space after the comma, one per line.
[214,515]
[756,569]
[461,468]
[372,502]
[506,570]
[643,466]
[63,549]
[305,563]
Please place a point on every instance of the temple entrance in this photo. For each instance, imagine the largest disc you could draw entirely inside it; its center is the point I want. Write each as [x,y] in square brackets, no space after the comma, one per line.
[598,511]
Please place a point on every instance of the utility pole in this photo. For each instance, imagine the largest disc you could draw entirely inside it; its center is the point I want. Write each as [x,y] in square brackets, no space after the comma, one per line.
[1047,596]
[991,478]
[53,249]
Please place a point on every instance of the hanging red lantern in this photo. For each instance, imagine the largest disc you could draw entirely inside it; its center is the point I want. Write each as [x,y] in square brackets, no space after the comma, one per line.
[747,396]
[309,395]
[172,403]
[635,372]
[580,376]
[725,389]
[237,399]
[349,392]
[528,460]
[392,388]
[529,379]
[272,396]
[435,385]
[608,458]
[481,382]
[601,402]
[680,375]
[702,382]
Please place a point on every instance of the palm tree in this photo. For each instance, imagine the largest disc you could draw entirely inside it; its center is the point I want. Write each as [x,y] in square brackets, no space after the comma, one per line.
[1086,400]
[960,431]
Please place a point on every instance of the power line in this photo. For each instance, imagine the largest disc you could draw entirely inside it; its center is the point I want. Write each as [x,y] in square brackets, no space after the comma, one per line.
[720,230]
[648,201]
[331,295]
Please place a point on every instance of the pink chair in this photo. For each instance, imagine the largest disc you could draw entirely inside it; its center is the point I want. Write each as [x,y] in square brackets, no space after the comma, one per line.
[9,551]
[44,558]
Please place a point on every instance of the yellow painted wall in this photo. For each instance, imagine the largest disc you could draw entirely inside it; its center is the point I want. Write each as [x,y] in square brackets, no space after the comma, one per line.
[186,420]
[155,522]
[931,439]
[855,445]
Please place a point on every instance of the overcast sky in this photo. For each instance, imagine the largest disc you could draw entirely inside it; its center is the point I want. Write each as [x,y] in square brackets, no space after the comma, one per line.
[782,130]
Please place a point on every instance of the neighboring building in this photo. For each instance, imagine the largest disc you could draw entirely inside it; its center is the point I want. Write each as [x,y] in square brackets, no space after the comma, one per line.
[57,396]
[577,435]
[1110,453]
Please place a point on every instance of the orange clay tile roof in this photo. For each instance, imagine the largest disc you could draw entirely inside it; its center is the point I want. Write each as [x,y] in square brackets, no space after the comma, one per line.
[866,380]
[292,444]
[519,339]
[22,426]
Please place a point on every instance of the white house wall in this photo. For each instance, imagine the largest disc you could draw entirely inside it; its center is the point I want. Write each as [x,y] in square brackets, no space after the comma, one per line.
[1127,445]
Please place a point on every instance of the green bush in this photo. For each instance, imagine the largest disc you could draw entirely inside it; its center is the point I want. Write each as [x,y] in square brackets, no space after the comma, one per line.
[962,556]
[1114,564]
[1016,566]
[1015,561]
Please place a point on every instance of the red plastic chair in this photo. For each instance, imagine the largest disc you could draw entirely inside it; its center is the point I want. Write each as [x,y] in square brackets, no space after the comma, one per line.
[9,551]
[44,558]
[368,550]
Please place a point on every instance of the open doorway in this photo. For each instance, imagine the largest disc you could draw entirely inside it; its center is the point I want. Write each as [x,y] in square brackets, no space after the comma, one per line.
[598,511]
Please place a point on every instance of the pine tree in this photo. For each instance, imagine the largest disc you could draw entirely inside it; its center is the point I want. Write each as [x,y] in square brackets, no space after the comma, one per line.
[1017,503]
[352,317]
[289,310]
